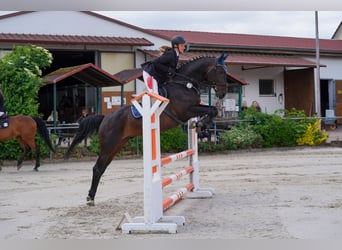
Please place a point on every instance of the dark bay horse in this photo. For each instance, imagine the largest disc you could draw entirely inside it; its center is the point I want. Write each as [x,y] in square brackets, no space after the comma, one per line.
[183,91]
[24,128]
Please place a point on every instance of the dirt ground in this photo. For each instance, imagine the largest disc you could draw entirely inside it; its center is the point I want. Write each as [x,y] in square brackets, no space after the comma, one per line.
[259,194]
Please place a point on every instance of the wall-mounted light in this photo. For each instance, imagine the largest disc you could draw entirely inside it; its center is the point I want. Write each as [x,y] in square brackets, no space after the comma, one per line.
[280,98]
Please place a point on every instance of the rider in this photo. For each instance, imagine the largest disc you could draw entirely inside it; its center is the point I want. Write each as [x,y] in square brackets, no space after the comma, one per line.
[163,67]
[2,106]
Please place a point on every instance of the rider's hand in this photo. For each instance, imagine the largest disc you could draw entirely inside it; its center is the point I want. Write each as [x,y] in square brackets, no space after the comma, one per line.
[171,72]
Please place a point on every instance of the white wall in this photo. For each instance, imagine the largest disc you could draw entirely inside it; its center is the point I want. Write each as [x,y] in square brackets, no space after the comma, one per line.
[70,23]
[333,69]
[268,104]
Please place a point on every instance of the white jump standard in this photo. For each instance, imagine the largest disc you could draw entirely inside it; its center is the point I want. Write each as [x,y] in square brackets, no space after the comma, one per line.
[151,107]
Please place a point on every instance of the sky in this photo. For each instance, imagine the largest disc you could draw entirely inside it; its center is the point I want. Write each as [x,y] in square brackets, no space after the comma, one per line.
[275,23]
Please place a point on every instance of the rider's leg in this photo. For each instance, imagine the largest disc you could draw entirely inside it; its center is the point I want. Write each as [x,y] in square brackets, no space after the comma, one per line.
[150,82]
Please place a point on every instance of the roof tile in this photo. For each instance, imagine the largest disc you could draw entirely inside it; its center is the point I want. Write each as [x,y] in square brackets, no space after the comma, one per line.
[197,38]
[68,39]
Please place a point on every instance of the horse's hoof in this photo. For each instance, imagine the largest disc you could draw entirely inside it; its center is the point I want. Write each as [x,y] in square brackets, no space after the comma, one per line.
[90,201]
[19,167]
[35,169]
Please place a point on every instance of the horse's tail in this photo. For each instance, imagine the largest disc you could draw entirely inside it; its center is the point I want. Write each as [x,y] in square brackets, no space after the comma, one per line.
[88,126]
[42,130]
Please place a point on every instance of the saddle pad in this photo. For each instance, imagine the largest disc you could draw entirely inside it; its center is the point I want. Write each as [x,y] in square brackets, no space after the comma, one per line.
[4,122]
[136,114]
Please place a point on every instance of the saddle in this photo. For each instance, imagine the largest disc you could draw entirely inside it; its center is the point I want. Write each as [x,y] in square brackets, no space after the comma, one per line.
[4,121]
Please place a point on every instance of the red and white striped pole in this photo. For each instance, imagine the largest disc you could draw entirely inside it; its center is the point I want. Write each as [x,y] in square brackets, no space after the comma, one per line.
[153,219]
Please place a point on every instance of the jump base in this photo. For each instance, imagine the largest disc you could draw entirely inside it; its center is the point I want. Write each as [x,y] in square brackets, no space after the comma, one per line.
[200,193]
[166,224]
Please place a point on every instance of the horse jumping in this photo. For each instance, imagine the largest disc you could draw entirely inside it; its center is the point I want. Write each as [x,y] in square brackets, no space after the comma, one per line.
[23,129]
[183,91]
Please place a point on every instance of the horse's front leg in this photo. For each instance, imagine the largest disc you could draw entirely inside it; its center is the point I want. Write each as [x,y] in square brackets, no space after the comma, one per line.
[22,157]
[98,170]
[206,114]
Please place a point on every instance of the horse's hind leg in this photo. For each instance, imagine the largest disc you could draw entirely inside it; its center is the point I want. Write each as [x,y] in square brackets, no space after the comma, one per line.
[31,142]
[98,170]
[37,158]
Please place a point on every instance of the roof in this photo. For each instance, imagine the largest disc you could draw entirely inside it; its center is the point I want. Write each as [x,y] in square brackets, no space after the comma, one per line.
[339,29]
[91,13]
[234,79]
[206,39]
[247,59]
[73,40]
[195,38]
[230,40]
[88,73]
[128,75]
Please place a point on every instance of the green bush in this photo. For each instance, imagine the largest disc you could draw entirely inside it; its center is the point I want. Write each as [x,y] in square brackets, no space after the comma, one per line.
[172,140]
[20,79]
[259,129]
[241,137]
[94,144]
[209,147]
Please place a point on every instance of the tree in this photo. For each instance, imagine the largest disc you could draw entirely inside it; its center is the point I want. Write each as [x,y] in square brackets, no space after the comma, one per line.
[20,78]
[20,81]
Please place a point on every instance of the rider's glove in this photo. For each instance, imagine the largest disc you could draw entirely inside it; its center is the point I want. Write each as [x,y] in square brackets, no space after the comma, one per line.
[171,72]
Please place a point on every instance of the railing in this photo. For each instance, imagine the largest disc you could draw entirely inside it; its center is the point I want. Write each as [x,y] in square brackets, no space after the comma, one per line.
[63,131]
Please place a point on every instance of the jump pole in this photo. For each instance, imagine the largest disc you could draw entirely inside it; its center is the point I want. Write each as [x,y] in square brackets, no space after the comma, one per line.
[151,107]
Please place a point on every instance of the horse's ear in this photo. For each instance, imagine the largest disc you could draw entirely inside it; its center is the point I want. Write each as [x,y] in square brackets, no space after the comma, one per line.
[224,55]
[222,58]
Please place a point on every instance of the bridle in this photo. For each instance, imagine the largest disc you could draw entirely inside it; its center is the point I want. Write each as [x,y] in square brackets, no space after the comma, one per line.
[214,84]
[191,83]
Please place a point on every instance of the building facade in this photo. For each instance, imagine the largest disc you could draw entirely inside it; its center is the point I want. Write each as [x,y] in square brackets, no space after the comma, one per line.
[279,71]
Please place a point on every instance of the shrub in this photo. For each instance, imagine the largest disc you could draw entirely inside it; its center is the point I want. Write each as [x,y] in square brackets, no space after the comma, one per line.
[272,130]
[172,140]
[20,79]
[241,137]
[313,136]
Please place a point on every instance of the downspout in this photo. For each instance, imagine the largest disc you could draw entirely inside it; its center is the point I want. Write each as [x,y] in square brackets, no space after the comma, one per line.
[318,77]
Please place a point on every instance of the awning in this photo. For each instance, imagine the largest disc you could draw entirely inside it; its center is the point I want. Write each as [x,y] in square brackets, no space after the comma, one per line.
[270,60]
[128,75]
[87,73]
[248,59]
[234,79]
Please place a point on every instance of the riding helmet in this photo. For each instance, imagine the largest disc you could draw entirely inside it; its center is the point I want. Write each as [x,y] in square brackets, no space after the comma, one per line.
[177,40]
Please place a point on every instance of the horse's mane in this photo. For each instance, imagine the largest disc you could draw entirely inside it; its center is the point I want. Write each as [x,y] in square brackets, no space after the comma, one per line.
[193,60]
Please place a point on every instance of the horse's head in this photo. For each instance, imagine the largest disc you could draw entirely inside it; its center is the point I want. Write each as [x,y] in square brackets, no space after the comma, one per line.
[207,71]
[217,76]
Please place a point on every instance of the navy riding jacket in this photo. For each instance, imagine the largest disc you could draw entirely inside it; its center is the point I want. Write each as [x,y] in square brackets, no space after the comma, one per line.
[161,66]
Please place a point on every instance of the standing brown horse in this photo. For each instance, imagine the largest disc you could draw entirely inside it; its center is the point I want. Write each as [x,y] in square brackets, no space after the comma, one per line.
[183,91]
[23,129]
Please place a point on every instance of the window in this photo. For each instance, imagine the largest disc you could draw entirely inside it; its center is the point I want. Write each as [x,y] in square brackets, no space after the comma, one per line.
[266,87]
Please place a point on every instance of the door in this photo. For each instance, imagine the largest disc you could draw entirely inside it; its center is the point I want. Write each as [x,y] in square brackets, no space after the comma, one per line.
[339,100]
[299,90]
